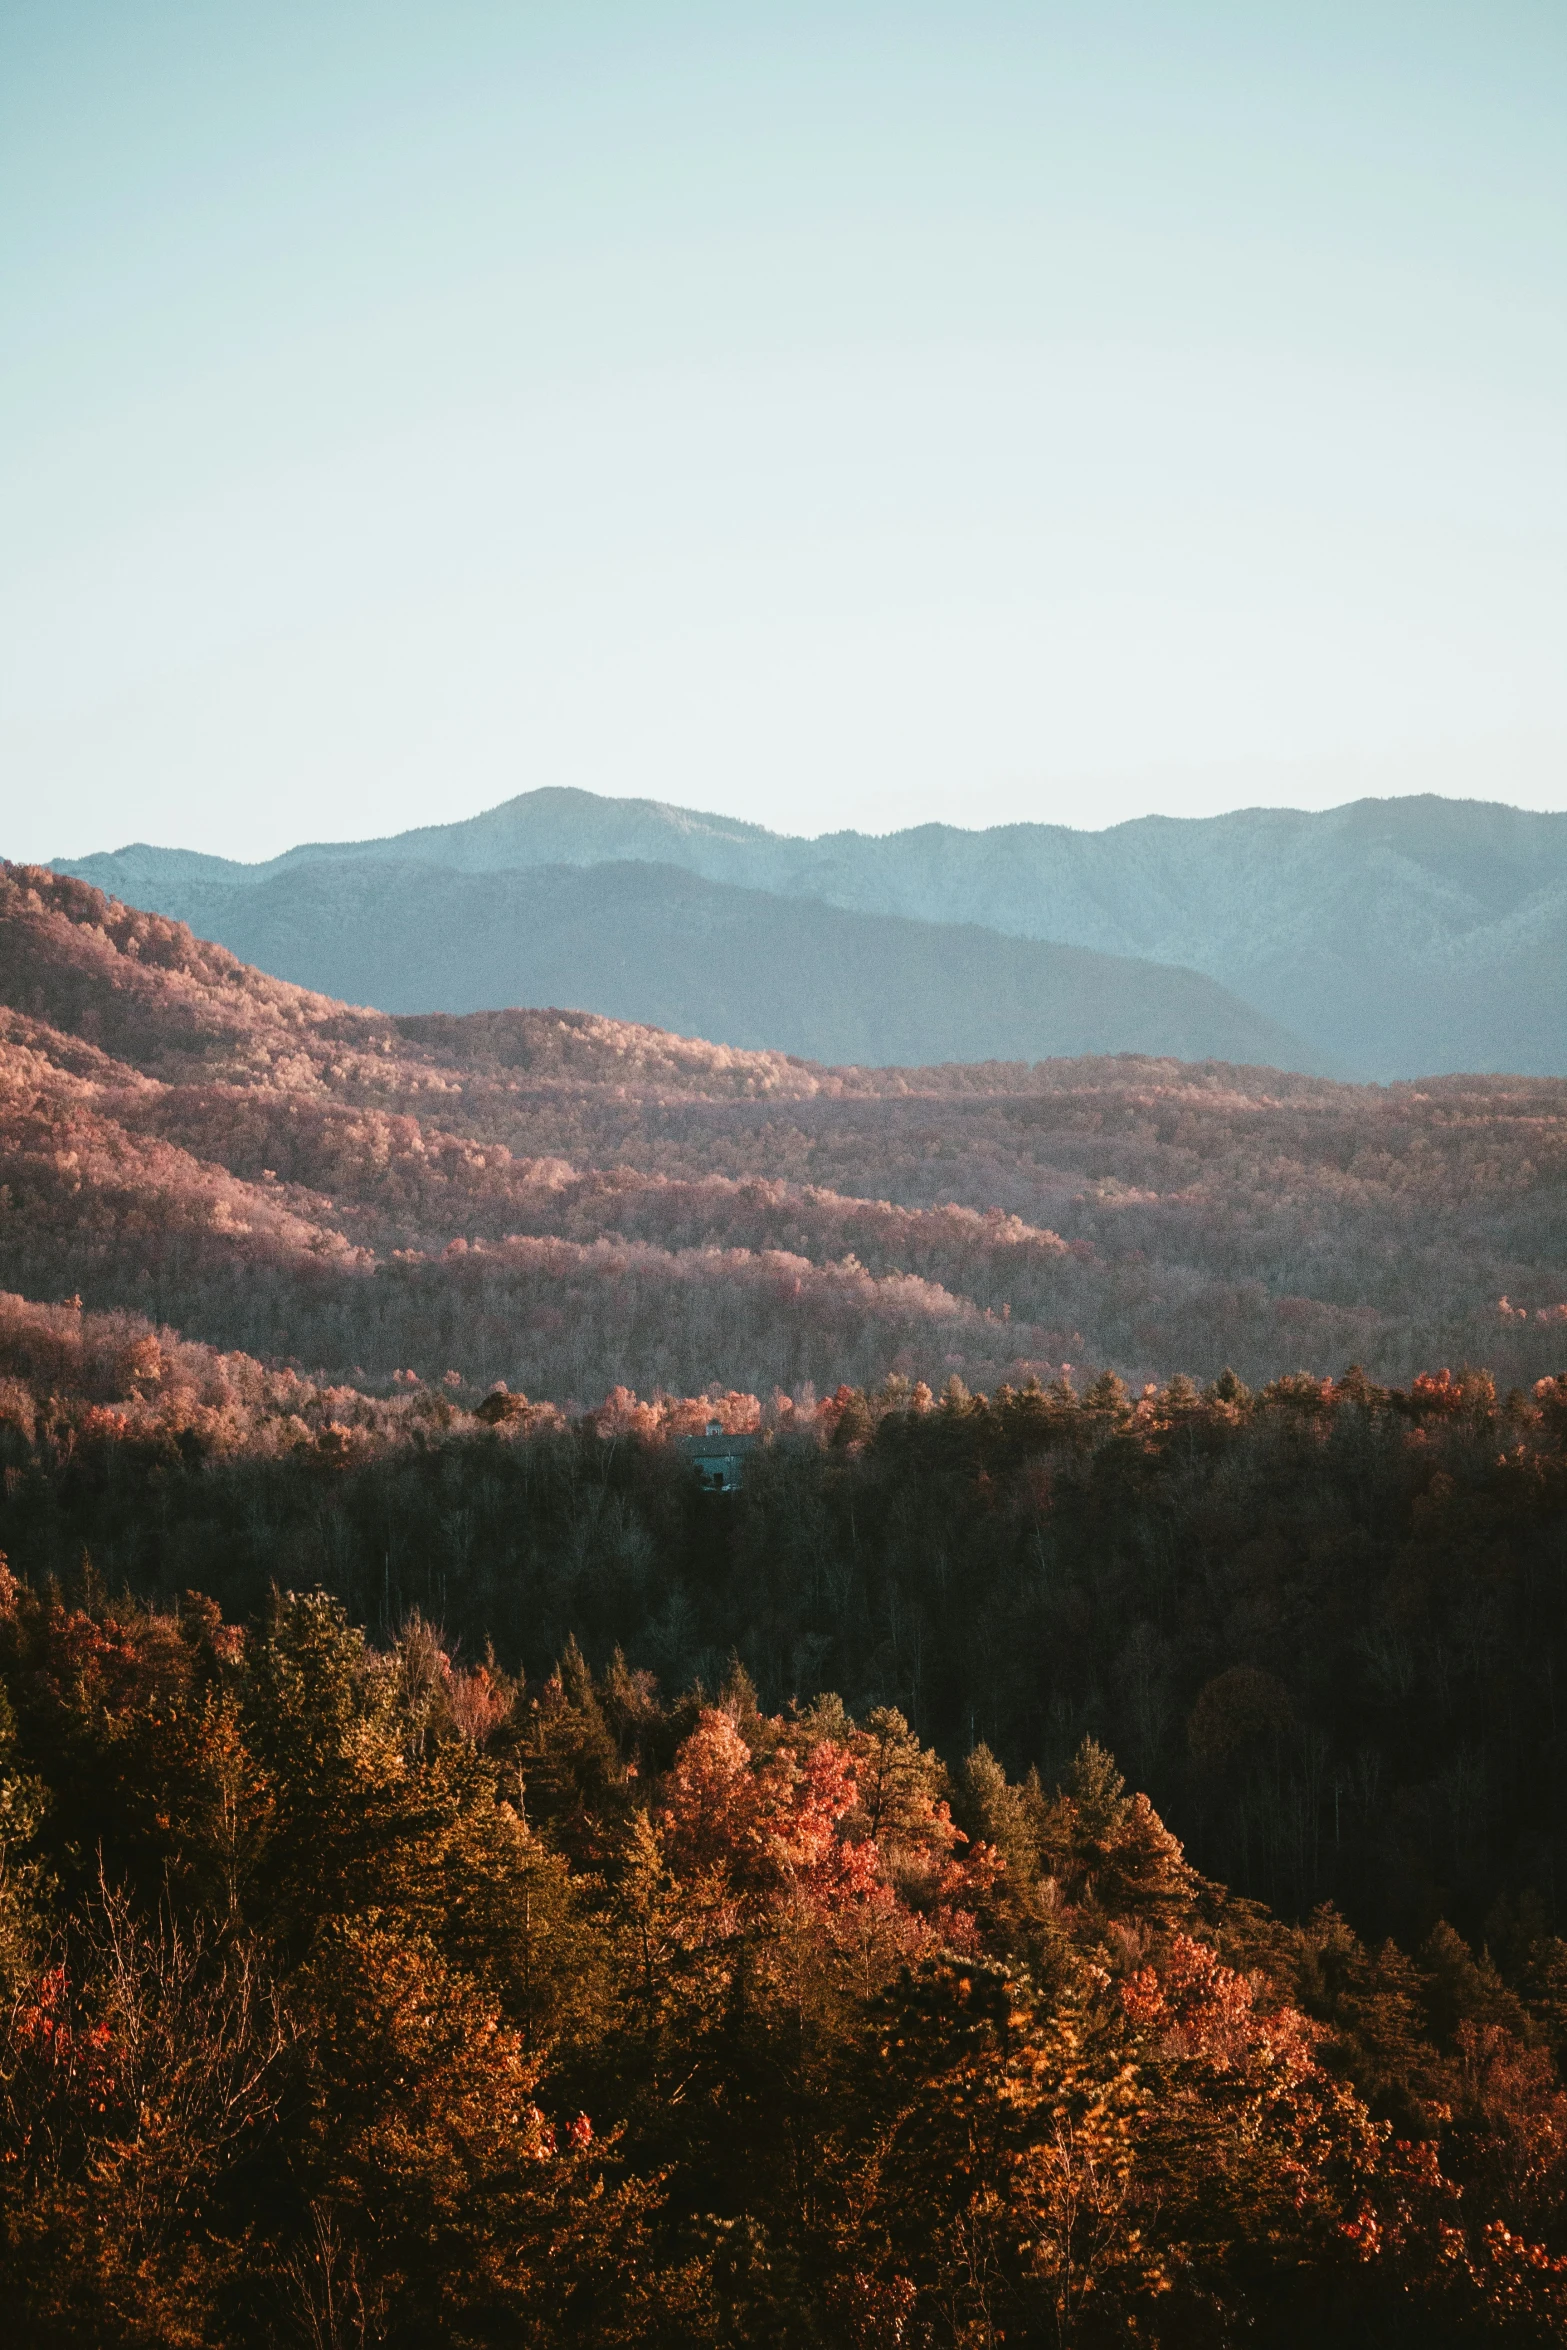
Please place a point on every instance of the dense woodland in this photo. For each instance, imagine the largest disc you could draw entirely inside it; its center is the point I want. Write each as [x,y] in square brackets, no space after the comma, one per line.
[567,1204]
[1069,1852]
[352,1993]
[1323,1626]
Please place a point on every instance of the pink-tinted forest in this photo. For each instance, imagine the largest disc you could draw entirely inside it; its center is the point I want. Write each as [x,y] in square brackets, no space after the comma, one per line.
[566,1204]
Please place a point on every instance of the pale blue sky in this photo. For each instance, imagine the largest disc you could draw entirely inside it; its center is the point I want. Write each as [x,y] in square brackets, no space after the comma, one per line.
[840,414]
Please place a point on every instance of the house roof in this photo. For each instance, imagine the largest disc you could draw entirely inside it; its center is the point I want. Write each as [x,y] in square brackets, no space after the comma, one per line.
[719,1446]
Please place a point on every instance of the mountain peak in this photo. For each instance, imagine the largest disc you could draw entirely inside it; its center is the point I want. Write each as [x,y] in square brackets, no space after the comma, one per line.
[1395,936]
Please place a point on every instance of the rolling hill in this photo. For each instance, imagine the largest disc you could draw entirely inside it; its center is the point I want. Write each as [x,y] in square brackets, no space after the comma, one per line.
[652,944]
[569,1203]
[1393,937]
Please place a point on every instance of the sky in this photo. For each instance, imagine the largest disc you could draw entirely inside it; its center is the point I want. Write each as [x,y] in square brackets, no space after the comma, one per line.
[826,415]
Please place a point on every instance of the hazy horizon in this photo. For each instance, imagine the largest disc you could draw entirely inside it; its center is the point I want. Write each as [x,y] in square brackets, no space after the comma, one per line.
[1002,823]
[827,417]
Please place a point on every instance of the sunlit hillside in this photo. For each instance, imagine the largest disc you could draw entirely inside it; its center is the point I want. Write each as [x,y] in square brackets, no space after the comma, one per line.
[566,1203]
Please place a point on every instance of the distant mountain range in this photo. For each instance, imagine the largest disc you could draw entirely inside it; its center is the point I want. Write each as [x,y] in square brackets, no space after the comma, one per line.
[1387,938]
[743,967]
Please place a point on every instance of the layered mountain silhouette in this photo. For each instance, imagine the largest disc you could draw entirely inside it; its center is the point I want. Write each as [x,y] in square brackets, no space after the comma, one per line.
[745,967]
[1386,938]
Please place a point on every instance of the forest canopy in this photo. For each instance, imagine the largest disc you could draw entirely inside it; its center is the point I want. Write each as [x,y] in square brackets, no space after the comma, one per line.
[1070,1851]
[353,1993]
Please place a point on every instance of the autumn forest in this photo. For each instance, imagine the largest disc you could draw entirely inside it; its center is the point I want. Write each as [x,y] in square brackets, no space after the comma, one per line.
[1071,1851]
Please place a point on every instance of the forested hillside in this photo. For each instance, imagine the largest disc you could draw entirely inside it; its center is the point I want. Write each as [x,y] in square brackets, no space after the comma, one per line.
[417,1990]
[564,1203]
[1323,1625]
